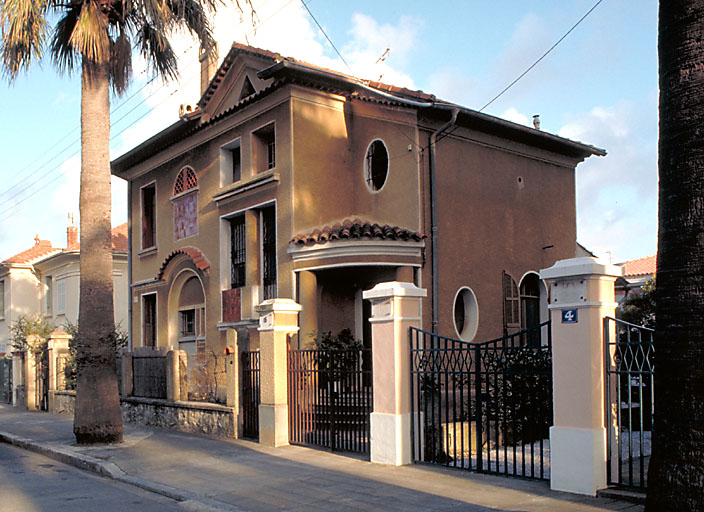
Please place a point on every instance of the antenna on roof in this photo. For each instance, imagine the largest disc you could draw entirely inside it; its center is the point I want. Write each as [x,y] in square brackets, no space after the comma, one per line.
[383,56]
[71,222]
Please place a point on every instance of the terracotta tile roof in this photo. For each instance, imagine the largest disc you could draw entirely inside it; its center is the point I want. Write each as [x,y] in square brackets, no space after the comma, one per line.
[199,260]
[641,266]
[275,57]
[41,249]
[357,229]
[119,240]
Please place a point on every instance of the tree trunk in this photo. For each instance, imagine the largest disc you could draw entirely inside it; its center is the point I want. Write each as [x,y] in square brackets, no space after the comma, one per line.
[97,414]
[676,473]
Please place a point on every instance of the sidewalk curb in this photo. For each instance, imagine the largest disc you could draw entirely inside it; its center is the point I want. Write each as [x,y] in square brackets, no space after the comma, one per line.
[188,500]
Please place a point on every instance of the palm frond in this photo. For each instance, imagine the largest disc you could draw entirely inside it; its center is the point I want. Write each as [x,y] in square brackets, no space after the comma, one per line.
[23,31]
[90,35]
[121,63]
[157,51]
[62,51]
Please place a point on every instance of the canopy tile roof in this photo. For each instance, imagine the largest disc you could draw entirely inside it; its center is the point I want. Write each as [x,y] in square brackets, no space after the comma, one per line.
[356,229]
[641,266]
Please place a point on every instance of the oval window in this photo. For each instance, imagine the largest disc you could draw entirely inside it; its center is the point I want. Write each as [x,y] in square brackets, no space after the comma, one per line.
[376,165]
[466,314]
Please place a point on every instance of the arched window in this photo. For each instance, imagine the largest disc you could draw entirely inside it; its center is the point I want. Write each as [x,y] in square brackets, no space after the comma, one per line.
[185,205]
[191,312]
[512,312]
[530,307]
[185,180]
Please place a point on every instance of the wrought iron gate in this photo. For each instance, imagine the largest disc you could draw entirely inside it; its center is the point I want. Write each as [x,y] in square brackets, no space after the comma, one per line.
[330,398]
[630,401]
[484,407]
[250,394]
[6,380]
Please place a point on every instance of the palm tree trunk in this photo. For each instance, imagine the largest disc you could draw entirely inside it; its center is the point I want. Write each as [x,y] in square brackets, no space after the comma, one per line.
[97,414]
[676,473]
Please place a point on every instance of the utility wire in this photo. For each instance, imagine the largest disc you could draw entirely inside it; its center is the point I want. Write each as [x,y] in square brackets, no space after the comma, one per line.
[35,193]
[542,57]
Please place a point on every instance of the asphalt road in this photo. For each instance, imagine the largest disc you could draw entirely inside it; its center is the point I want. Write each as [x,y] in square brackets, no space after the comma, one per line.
[30,482]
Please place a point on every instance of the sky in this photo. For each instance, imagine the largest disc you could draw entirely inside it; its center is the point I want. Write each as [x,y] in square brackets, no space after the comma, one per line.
[597,86]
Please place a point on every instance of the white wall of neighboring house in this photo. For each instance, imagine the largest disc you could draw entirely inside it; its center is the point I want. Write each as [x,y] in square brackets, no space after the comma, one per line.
[22,296]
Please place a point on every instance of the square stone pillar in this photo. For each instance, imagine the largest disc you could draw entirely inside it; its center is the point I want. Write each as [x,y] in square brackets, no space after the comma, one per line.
[57,347]
[395,308]
[581,295]
[30,372]
[278,319]
[173,375]
[232,370]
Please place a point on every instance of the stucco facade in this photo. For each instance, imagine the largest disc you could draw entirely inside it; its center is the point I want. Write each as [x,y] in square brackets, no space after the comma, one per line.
[296,182]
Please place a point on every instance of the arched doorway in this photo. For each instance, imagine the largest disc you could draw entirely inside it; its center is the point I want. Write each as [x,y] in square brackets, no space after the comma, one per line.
[187,312]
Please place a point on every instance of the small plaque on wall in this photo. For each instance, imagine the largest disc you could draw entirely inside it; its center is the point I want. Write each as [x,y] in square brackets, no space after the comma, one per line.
[569,316]
[383,309]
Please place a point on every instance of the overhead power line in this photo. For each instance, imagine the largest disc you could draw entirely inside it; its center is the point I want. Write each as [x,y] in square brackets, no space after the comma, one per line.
[542,57]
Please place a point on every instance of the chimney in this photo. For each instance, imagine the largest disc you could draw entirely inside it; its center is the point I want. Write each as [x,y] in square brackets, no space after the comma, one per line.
[71,233]
[536,121]
[208,67]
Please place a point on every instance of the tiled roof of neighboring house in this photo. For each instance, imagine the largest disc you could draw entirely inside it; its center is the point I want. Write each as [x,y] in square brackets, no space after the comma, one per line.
[356,229]
[41,249]
[641,266]
[199,260]
[119,240]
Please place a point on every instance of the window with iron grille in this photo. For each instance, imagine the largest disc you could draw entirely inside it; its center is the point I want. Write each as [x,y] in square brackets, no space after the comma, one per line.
[185,180]
[148,216]
[268,217]
[238,252]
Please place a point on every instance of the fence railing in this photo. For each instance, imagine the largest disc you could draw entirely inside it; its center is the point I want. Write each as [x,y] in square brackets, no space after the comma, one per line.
[484,407]
[149,375]
[251,394]
[629,353]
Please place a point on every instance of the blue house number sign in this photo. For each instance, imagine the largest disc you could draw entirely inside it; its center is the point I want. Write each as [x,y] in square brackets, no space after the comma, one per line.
[569,316]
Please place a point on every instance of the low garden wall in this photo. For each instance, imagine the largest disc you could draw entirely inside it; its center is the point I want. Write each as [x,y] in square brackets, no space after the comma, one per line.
[192,417]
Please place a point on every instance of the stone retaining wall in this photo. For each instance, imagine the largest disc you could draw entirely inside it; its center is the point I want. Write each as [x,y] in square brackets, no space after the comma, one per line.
[192,417]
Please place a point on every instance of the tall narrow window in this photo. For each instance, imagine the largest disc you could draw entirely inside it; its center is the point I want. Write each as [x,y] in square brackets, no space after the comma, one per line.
[48,296]
[149,320]
[376,166]
[264,148]
[268,216]
[238,253]
[148,216]
[61,297]
[236,164]
[530,308]
[512,316]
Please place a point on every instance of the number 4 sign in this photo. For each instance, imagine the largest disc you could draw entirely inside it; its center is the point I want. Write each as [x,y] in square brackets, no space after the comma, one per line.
[569,316]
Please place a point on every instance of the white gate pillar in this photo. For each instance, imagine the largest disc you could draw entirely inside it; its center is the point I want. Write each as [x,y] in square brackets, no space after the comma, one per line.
[581,295]
[395,308]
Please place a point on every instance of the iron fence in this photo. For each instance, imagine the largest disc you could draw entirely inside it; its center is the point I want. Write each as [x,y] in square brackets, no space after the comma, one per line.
[630,401]
[250,394]
[149,375]
[484,407]
[330,398]
[6,380]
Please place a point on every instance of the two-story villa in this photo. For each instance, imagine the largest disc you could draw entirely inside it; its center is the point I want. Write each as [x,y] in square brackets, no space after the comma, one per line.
[289,180]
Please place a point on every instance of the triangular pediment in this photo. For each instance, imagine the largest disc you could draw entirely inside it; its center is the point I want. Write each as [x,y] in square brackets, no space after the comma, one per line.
[235,80]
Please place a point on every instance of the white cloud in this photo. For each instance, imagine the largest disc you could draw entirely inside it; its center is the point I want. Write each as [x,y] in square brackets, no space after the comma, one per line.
[515,116]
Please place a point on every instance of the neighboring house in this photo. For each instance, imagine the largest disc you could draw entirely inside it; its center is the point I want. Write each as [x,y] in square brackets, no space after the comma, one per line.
[635,274]
[289,180]
[45,280]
